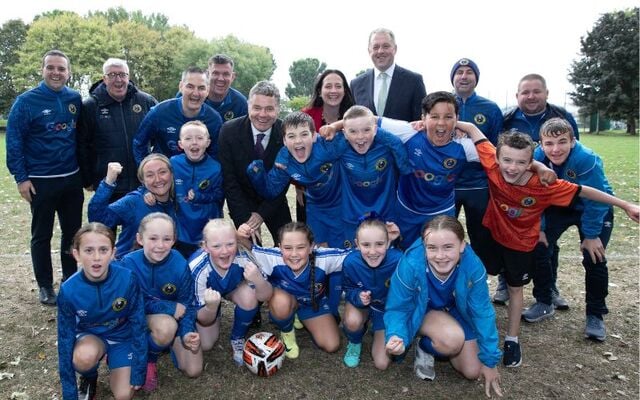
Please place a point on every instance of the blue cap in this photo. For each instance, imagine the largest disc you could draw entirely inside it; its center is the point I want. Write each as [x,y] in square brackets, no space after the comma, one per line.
[465,62]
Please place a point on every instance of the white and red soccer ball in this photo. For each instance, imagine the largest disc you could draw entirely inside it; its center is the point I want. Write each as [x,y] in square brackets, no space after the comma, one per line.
[263,353]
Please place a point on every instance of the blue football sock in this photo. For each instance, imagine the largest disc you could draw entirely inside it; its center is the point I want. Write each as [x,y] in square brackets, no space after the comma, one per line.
[155,350]
[354,337]
[241,321]
[285,325]
[426,345]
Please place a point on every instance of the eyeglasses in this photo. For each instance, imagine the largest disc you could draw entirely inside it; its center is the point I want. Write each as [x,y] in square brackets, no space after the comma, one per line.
[121,75]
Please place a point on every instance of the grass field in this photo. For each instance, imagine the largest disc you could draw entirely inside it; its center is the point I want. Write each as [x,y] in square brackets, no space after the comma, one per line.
[558,363]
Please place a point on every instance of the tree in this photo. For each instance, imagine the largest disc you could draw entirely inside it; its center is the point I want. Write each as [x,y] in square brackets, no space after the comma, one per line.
[87,43]
[152,55]
[252,63]
[606,77]
[156,52]
[156,22]
[12,34]
[303,74]
[296,103]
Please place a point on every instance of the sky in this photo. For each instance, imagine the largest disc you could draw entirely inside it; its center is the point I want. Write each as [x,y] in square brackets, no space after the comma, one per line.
[506,39]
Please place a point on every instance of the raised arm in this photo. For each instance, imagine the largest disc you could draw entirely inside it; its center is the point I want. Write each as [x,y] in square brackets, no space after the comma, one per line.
[470,130]
[632,210]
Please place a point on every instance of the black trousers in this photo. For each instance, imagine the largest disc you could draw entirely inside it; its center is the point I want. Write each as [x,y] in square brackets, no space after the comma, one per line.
[63,196]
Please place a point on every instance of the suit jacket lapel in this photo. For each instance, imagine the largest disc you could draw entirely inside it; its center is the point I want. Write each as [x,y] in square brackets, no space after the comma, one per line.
[246,138]
[369,85]
[396,85]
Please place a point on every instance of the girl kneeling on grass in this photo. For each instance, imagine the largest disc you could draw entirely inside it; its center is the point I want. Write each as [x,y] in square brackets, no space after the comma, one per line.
[447,303]
[297,272]
[366,274]
[166,283]
[100,312]
[220,271]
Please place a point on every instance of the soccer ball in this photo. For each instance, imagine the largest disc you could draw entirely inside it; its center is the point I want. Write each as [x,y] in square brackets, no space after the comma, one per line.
[263,354]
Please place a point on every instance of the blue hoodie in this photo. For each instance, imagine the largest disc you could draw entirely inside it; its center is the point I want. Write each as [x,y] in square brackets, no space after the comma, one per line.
[583,167]
[41,133]
[409,295]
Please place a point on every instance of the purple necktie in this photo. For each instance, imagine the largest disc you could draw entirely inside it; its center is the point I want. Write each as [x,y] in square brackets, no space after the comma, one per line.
[258,147]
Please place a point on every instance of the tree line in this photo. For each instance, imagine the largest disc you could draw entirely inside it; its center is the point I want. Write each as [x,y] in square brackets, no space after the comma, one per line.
[605,75]
[156,52]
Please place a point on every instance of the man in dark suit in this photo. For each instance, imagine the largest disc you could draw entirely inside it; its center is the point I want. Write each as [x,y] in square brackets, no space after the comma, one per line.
[388,89]
[242,140]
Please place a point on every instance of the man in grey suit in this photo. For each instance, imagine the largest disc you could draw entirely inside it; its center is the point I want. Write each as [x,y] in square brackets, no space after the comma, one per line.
[388,89]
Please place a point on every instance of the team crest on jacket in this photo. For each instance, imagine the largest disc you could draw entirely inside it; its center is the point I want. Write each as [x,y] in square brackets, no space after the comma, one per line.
[72,108]
[449,163]
[119,304]
[204,184]
[169,289]
[571,174]
[229,115]
[347,244]
[528,201]
[381,164]
[136,108]
[479,119]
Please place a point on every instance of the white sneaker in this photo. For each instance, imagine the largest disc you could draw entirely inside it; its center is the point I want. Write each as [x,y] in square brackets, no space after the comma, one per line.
[424,365]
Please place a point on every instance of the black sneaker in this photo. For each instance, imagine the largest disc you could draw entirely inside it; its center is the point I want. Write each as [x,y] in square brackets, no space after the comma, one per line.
[595,329]
[87,388]
[559,302]
[47,296]
[512,356]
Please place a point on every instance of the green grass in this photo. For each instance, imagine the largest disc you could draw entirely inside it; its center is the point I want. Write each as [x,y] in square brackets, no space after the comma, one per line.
[620,155]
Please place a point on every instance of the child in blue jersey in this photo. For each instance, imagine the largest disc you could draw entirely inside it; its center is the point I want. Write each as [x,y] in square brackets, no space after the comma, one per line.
[219,271]
[297,271]
[440,292]
[313,163]
[156,175]
[166,283]
[100,312]
[310,162]
[575,163]
[370,170]
[198,186]
[438,158]
[366,274]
